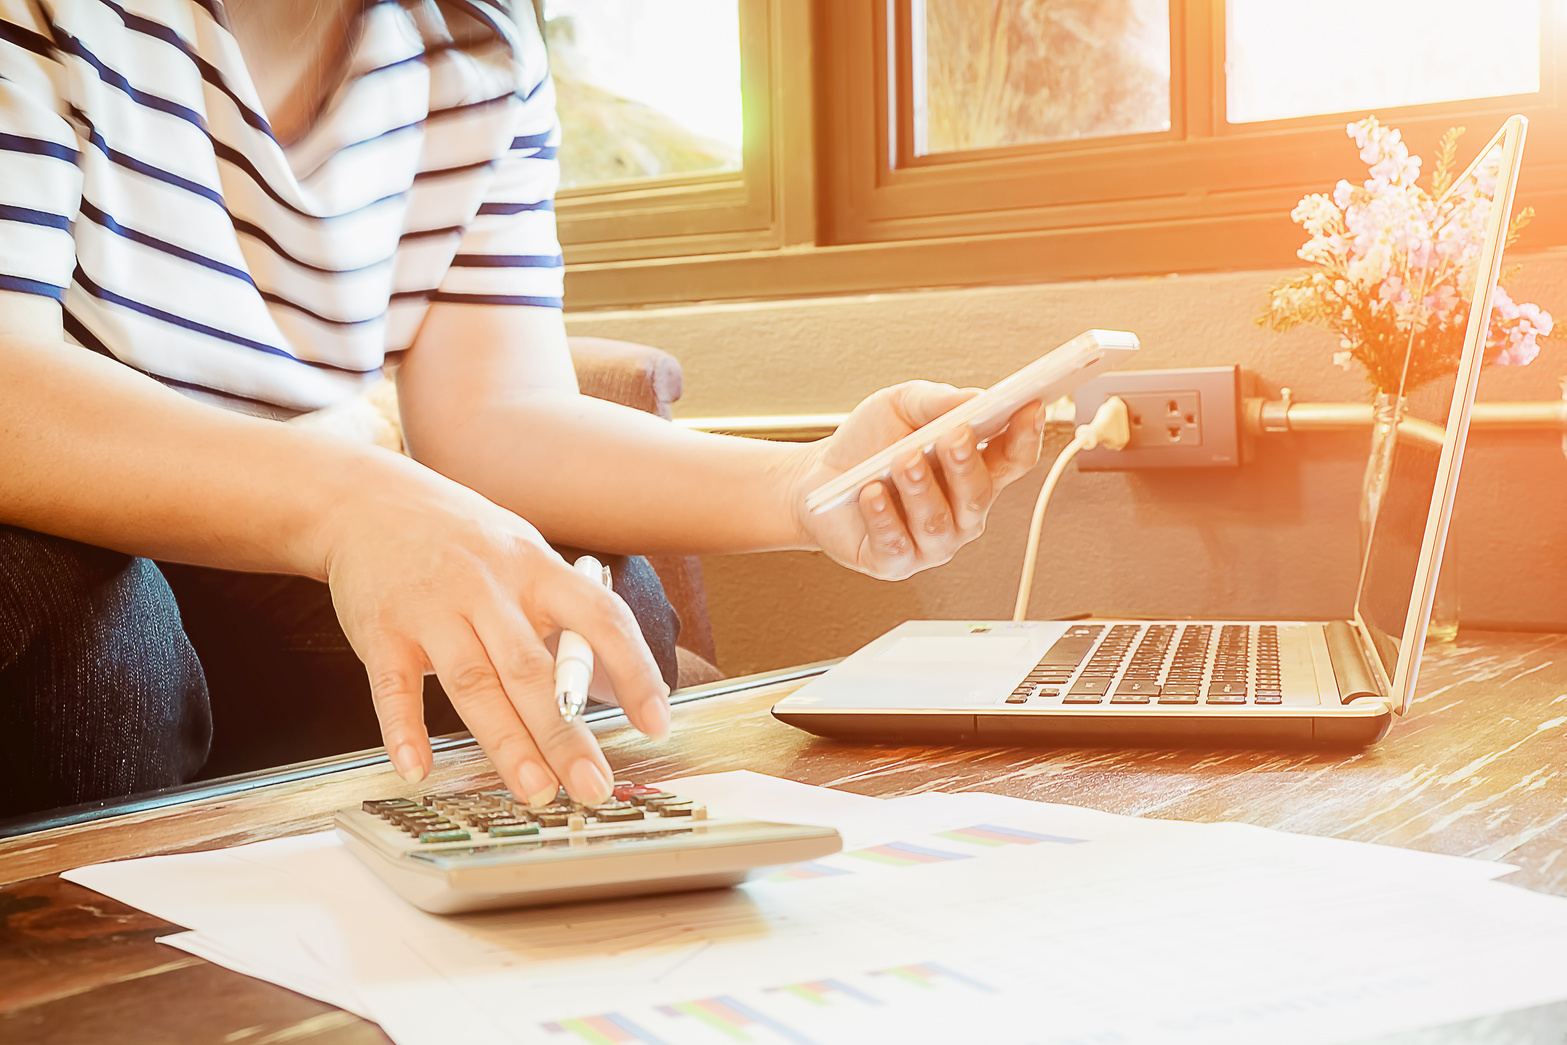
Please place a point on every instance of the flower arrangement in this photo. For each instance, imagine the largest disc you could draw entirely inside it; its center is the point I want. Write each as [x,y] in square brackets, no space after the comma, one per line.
[1390,263]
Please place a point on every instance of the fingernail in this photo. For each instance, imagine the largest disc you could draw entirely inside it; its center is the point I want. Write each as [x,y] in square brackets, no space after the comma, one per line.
[961,451]
[878,504]
[537,784]
[916,469]
[657,719]
[406,761]
[589,782]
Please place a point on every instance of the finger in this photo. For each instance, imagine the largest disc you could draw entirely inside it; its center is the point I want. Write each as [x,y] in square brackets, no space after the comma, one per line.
[925,510]
[527,677]
[888,549]
[918,403]
[396,671]
[969,489]
[474,686]
[567,599]
[1015,451]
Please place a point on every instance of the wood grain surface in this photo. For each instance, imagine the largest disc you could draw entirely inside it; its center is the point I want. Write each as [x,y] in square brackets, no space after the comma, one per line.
[1475,769]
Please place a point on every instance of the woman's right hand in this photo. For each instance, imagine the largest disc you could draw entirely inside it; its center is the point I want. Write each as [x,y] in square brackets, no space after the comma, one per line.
[427,575]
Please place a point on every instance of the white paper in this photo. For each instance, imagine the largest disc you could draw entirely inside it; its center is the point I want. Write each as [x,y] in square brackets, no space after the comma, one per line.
[947,918]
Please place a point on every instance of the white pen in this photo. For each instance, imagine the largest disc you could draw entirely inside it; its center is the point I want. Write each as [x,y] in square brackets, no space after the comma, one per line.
[573,656]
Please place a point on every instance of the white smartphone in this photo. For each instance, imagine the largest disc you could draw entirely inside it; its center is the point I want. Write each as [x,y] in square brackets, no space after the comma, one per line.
[1049,377]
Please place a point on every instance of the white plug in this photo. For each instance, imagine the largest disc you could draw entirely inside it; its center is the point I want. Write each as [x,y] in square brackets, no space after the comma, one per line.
[1111,427]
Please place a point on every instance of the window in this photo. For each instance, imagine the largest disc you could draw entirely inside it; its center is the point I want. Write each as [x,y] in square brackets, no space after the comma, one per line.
[963,142]
[655,95]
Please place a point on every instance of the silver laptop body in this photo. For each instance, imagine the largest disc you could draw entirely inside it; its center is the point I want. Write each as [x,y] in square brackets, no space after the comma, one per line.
[1177,681]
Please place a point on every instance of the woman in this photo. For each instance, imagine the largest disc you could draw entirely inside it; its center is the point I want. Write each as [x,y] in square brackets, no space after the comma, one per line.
[213,216]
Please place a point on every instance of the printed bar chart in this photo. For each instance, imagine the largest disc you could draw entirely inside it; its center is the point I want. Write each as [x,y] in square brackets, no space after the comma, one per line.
[608,1029]
[991,835]
[735,1018]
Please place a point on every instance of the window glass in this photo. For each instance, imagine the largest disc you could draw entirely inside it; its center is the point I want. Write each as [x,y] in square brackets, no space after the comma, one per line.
[990,73]
[1331,56]
[645,88]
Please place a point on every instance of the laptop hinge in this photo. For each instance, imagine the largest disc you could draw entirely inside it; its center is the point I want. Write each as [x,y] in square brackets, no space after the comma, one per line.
[1355,678]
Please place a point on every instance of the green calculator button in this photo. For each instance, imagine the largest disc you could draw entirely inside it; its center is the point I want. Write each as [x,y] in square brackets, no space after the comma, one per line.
[509,830]
[444,836]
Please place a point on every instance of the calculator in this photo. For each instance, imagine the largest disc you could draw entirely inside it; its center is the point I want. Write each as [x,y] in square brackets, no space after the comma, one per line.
[450,853]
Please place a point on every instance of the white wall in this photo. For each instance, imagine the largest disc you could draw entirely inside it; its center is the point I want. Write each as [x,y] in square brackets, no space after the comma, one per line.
[1274,537]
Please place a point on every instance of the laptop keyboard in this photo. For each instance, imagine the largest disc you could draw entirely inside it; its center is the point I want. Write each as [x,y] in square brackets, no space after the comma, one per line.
[1158,664]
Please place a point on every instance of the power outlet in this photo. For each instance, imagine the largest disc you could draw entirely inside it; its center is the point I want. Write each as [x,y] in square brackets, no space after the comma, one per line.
[1179,418]
[1164,419]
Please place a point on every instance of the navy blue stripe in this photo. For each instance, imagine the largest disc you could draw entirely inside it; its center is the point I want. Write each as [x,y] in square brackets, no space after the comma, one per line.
[28,216]
[549,152]
[404,295]
[515,208]
[528,95]
[531,141]
[26,39]
[507,261]
[420,57]
[454,110]
[209,72]
[307,175]
[443,172]
[261,235]
[277,299]
[448,230]
[495,299]
[112,298]
[238,159]
[166,247]
[39,147]
[86,338]
[32,286]
[71,45]
[222,150]
[94,214]
[156,173]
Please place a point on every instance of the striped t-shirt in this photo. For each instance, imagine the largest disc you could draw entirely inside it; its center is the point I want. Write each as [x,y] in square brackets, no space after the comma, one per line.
[142,187]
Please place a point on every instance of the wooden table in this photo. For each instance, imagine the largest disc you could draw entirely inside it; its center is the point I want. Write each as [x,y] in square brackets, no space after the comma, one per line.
[1476,769]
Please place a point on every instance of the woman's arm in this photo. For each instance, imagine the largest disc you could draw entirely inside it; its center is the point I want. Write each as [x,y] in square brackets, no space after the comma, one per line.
[425,574]
[488,398]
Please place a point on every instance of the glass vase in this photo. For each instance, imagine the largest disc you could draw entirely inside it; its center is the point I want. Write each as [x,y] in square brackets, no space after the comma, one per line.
[1386,409]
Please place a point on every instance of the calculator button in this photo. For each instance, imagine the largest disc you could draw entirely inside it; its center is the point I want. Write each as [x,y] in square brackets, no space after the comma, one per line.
[444,836]
[650,795]
[549,819]
[675,809]
[622,815]
[513,830]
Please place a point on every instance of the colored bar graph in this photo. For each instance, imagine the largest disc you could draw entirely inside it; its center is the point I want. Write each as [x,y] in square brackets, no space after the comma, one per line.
[819,992]
[905,854]
[802,872]
[990,834]
[608,1029]
[929,976]
[734,1018]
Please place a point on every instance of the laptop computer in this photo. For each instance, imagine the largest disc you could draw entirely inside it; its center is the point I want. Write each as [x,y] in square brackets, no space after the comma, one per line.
[1198,681]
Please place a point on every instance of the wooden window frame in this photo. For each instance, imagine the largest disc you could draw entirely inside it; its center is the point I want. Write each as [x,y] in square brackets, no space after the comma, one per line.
[870,216]
[754,208]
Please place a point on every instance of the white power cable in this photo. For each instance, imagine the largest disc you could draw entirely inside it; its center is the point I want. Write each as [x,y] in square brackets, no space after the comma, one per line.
[1111,428]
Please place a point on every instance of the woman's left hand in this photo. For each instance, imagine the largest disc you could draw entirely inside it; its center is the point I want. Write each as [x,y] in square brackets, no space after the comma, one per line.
[923,516]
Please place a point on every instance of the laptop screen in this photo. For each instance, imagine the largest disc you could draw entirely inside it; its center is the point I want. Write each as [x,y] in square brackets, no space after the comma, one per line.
[1410,506]
[1387,588]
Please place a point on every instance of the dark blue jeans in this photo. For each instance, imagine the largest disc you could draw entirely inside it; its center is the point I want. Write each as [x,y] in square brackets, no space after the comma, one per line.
[118,675]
